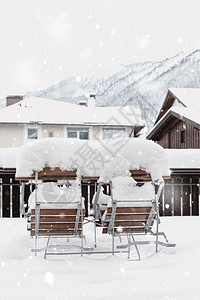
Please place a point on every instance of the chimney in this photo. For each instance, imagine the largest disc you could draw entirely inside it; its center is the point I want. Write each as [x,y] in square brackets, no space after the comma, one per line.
[10,100]
[92,101]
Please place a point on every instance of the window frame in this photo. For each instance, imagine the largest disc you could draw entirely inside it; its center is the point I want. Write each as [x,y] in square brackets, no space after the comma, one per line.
[183,136]
[32,128]
[78,131]
[113,131]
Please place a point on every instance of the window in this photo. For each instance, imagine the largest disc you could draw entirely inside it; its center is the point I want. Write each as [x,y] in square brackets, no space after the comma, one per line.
[78,133]
[111,133]
[32,133]
[84,135]
[182,136]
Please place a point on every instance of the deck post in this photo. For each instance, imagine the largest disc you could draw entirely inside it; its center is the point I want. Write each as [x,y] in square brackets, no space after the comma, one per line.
[22,208]
[82,219]
[37,210]
[157,197]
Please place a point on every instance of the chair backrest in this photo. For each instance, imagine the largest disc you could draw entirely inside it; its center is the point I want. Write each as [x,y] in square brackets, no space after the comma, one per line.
[121,220]
[57,222]
[137,213]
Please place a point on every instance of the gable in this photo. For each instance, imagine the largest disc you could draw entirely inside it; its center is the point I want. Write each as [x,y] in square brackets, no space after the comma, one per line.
[183,97]
[168,102]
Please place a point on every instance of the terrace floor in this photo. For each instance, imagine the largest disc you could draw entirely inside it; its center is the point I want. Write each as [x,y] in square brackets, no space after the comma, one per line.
[173,273]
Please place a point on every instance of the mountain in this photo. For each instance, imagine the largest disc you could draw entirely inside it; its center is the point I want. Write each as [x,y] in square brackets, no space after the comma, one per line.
[142,84]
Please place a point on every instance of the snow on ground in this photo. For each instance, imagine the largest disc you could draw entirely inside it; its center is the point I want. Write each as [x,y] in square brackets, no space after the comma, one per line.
[171,274]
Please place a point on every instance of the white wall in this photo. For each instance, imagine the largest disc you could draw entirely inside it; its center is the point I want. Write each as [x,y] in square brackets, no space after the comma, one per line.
[15,135]
[11,135]
[58,131]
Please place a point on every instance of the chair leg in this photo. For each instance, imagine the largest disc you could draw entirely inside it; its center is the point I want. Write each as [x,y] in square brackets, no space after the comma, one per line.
[113,245]
[129,247]
[45,253]
[84,238]
[95,235]
[136,247]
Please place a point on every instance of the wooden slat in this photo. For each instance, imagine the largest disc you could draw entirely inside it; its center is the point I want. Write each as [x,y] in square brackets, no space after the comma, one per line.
[131,230]
[57,171]
[135,217]
[125,224]
[55,218]
[134,210]
[54,226]
[55,232]
[56,211]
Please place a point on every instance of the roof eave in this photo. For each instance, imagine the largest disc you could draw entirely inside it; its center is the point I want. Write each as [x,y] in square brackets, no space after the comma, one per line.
[79,124]
[165,118]
[186,171]
[158,126]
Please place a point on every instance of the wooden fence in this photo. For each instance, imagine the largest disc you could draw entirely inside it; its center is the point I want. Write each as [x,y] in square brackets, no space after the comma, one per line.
[180,196]
[10,194]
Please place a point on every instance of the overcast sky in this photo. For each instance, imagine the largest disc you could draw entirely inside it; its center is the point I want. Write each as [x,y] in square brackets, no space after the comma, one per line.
[45,41]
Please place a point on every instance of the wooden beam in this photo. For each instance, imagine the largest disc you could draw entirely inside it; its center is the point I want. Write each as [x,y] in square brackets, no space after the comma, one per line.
[58,174]
[51,174]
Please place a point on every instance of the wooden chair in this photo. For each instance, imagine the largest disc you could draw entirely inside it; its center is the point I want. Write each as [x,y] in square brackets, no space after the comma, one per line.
[133,218]
[56,219]
[57,223]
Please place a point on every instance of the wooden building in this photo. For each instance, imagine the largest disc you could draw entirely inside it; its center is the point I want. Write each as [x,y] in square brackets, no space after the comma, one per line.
[178,127]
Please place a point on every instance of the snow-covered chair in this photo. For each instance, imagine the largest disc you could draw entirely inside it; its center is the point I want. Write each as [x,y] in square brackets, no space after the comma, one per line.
[132,211]
[58,212]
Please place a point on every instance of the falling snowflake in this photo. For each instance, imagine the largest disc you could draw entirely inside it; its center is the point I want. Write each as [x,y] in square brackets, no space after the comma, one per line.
[49,278]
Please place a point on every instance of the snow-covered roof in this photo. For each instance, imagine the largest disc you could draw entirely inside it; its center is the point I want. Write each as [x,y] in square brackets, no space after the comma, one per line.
[183,158]
[46,111]
[8,157]
[190,97]
[92,158]
[184,112]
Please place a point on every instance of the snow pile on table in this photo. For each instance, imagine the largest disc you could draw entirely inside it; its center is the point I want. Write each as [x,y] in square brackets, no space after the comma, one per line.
[93,158]
[52,196]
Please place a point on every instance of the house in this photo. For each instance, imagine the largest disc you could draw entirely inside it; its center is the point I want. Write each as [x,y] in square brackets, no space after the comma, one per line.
[178,122]
[177,128]
[36,118]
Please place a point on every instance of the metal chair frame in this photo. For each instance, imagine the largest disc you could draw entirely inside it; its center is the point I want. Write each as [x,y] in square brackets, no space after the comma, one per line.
[75,234]
[131,241]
